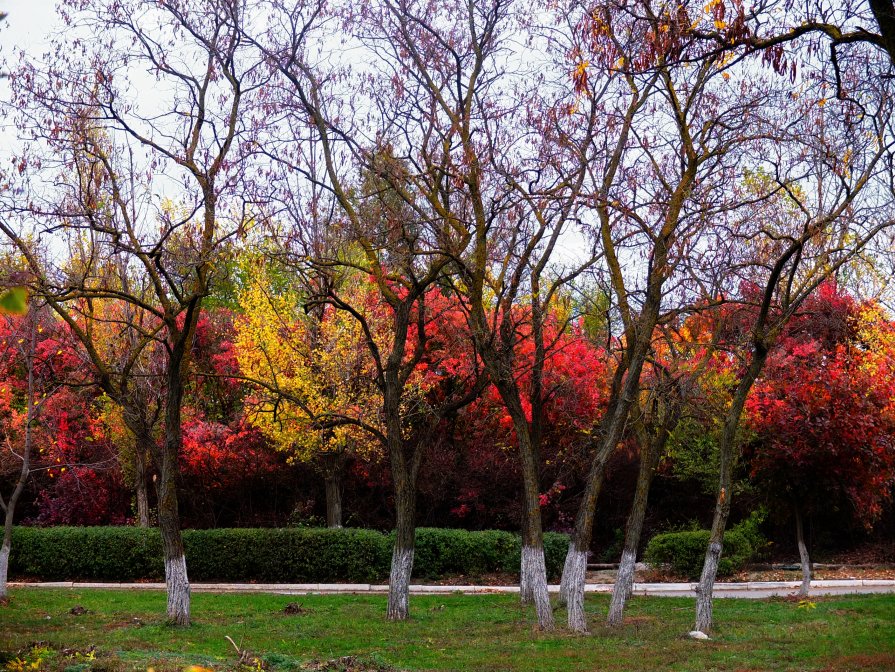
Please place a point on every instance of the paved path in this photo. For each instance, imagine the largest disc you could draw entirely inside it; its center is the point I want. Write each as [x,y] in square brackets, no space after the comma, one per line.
[753,589]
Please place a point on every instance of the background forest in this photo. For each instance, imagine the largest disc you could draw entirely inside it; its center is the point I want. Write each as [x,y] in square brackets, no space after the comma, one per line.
[606,268]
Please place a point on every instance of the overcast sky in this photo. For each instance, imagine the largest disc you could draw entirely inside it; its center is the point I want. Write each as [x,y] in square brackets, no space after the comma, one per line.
[27,27]
[28,23]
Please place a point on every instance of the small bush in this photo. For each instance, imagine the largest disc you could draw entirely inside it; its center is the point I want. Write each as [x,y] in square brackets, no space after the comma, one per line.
[284,555]
[750,528]
[684,552]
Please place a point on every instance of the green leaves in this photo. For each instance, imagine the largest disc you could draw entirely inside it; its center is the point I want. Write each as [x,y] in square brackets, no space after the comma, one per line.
[14,301]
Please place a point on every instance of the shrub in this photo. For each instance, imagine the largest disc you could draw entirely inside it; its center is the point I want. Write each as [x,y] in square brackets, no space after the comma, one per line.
[284,555]
[58,553]
[444,551]
[684,552]
[750,528]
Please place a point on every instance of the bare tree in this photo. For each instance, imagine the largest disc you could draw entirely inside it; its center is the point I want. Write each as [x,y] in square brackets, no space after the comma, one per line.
[688,123]
[831,198]
[82,104]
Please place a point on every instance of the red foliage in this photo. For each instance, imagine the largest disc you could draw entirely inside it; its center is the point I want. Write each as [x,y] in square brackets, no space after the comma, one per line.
[822,414]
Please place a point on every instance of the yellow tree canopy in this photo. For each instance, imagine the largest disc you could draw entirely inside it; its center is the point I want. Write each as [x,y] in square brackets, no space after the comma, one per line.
[312,366]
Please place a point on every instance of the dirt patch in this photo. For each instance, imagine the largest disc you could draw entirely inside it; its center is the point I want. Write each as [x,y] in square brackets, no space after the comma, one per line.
[346,664]
[295,609]
[865,662]
[870,553]
[89,651]
[637,621]
[821,574]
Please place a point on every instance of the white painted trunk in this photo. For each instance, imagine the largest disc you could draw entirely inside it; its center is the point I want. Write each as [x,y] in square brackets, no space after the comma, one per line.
[568,571]
[526,575]
[573,578]
[178,586]
[805,588]
[534,579]
[706,586]
[624,585]
[399,584]
[806,569]
[4,569]
[803,556]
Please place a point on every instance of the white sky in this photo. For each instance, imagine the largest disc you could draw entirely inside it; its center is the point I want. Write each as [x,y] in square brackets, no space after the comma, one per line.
[27,26]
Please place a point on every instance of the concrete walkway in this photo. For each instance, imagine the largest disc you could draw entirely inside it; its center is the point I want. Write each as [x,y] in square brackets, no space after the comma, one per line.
[753,589]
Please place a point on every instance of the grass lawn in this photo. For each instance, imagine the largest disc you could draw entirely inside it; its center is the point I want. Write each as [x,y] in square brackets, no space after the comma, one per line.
[450,632]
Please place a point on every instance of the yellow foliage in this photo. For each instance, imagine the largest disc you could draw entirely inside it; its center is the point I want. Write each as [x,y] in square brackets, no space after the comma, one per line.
[315,363]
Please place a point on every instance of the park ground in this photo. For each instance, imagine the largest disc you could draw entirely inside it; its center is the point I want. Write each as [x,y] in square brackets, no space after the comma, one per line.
[116,631]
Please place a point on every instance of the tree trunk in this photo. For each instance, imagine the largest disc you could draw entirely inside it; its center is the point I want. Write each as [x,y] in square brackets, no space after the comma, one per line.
[140,487]
[333,501]
[624,393]
[533,568]
[722,502]
[176,580]
[575,566]
[573,578]
[402,553]
[5,550]
[133,409]
[333,464]
[804,559]
[624,582]
[4,567]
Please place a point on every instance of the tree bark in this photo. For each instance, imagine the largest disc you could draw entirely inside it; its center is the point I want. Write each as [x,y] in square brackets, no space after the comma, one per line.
[333,501]
[584,522]
[333,464]
[723,499]
[140,488]
[624,582]
[402,553]
[176,580]
[804,559]
[4,566]
[533,568]
[575,566]
[572,584]
[134,411]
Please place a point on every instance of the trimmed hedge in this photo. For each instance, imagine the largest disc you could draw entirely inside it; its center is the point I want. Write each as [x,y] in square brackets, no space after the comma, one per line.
[290,555]
[684,551]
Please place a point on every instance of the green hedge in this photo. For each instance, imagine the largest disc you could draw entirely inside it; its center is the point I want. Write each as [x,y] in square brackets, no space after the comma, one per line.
[284,555]
[684,551]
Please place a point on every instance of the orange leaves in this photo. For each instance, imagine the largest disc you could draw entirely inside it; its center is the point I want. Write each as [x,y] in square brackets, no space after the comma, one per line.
[579,77]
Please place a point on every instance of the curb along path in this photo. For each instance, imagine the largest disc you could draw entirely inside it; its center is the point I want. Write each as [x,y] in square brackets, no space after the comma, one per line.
[750,590]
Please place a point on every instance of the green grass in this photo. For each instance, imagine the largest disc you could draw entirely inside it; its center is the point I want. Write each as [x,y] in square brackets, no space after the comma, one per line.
[450,632]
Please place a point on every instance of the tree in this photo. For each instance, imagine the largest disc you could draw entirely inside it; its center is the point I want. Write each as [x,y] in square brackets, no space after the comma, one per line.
[822,414]
[362,206]
[684,121]
[681,354]
[115,144]
[311,367]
